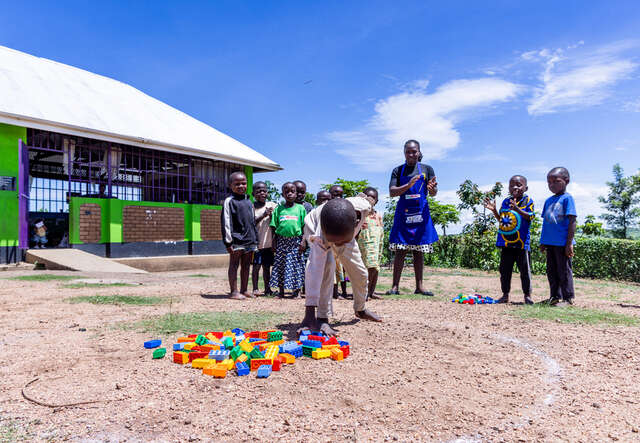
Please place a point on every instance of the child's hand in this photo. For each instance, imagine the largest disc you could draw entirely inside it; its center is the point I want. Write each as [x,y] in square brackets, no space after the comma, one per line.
[432,184]
[490,204]
[543,248]
[414,179]
[302,247]
[229,250]
[568,250]
[268,212]
[513,204]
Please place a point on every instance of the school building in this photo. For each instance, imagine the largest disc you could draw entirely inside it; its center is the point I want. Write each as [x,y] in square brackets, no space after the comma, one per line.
[107,168]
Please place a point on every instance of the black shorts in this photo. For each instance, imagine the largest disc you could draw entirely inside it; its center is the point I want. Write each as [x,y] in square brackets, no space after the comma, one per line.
[263,257]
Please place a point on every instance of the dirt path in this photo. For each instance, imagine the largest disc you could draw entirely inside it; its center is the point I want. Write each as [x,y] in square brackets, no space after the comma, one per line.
[434,370]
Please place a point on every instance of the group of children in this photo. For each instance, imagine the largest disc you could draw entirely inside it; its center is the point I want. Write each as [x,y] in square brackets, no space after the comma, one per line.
[298,246]
[556,240]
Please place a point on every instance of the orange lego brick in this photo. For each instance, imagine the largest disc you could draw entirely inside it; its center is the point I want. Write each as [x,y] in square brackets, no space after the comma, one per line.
[336,354]
[184,339]
[181,357]
[289,359]
[218,371]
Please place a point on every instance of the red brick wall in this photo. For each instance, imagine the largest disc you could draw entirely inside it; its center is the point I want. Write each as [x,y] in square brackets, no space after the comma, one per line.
[148,223]
[90,223]
[210,228]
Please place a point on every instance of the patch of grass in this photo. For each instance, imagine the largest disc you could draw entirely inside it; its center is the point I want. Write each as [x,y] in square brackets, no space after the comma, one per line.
[43,277]
[11,432]
[194,322]
[199,275]
[95,285]
[118,300]
[574,314]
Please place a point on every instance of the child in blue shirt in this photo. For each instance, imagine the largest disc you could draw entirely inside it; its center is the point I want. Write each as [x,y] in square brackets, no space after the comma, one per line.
[558,229]
[514,220]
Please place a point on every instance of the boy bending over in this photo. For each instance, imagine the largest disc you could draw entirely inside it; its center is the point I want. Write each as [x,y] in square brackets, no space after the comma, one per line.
[331,229]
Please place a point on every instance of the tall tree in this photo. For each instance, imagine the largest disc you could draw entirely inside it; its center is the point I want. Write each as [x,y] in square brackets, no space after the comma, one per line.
[621,202]
[443,214]
[351,187]
[472,198]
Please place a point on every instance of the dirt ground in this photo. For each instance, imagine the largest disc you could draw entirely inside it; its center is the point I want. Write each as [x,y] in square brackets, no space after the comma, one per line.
[433,371]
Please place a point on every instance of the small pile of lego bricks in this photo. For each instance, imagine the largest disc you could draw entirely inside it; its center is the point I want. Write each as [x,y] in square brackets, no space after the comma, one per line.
[474,299]
[219,353]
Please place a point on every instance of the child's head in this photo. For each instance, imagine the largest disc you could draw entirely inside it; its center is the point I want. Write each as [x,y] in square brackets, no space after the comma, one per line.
[260,192]
[301,190]
[336,191]
[412,152]
[289,192]
[322,197]
[558,179]
[371,192]
[238,183]
[518,186]
[338,221]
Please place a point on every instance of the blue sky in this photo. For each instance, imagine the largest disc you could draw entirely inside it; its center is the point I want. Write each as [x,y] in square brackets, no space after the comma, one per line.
[332,89]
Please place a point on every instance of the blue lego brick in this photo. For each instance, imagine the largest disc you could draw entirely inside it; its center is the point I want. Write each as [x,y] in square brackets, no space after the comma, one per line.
[178,346]
[311,343]
[237,331]
[251,340]
[264,371]
[219,355]
[242,368]
[296,352]
[152,344]
[343,343]
[305,332]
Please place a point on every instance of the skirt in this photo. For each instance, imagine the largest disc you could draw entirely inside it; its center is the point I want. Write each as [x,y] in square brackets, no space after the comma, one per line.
[288,267]
[426,249]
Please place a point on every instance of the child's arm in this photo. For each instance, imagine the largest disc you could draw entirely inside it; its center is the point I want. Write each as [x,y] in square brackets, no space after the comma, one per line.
[226,225]
[526,215]
[568,249]
[491,206]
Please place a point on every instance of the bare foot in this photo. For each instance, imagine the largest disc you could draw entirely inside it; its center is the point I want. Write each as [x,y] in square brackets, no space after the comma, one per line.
[256,293]
[324,327]
[375,296]
[237,296]
[368,315]
[248,294]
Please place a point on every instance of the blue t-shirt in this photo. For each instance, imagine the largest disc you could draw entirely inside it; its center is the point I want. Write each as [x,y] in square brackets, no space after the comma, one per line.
[513,229]
[555,215]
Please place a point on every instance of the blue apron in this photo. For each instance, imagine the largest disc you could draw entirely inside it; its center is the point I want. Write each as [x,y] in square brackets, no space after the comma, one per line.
[412,224]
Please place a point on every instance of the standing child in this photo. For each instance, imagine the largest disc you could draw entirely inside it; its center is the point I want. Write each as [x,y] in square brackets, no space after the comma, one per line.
[263,257]
[239,234]
[301,193]
[331,228]
[558,229]
[370,241]
[39,234]
[514,220]
[322,197]
[287,223]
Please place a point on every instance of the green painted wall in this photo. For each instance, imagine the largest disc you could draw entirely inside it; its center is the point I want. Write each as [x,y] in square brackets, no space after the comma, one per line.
[111,217]
[9,218]
[248,171]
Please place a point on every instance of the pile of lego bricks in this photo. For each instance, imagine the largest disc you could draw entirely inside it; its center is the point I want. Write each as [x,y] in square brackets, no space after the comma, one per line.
[220,353]
[474,299]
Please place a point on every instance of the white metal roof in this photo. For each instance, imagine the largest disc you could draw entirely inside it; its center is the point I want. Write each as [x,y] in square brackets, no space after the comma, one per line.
[42,94]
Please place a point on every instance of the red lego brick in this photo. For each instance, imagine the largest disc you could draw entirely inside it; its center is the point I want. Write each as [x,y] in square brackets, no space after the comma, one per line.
[276,365]
[252,334]
[345,351]
[217,335]
[194,355]
[331,341]
[257,362]
[316,338]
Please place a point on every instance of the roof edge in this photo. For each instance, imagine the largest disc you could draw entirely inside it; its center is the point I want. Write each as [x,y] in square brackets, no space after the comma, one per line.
[31,122]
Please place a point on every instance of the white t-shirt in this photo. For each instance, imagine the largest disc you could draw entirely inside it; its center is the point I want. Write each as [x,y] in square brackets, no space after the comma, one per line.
[264,231]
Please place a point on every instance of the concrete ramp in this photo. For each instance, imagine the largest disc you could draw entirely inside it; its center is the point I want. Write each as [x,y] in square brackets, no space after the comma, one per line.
[77,260]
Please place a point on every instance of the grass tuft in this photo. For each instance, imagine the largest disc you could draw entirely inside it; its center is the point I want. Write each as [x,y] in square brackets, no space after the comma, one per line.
[118,300]
[199,275]
[194,322]
[43,277]
[95,285]
[574,314]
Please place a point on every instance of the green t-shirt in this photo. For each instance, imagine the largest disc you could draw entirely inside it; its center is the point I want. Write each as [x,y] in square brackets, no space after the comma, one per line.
[288,221]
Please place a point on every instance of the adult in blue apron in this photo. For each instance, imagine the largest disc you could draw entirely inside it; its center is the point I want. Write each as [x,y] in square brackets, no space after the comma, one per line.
[413,228]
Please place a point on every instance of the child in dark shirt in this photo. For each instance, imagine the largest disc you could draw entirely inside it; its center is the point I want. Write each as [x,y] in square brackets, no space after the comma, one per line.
[301,193]
[322,197]
[558,229]
[514,220]
[239,234]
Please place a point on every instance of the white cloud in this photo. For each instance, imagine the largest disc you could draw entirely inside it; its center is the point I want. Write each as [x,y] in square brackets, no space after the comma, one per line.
[572,80]
[633,106]
[429,118]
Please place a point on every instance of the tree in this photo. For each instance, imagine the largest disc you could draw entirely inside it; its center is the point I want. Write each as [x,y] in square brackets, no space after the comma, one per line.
[273,193]
[621,202]
[473,198]
[351,187]
[591,227]
[310,198]
[442,214]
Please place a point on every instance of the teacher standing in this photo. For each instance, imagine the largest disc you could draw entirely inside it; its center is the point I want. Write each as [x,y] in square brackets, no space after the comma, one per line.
[413,228]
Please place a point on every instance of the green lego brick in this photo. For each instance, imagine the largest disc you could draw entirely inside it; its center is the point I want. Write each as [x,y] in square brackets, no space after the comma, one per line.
[274,336]
[256,353]
[307,351]
[159,353]
[227,342]
[235,352]
[201,339]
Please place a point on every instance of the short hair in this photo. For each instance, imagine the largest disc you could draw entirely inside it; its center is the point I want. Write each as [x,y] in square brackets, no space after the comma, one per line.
[522,177]
[412,141]
[236,176]
[338,217]
[260,183]
[300,181]
[323,191]
[285,184]
[369,189]
[335,186]
[561,171]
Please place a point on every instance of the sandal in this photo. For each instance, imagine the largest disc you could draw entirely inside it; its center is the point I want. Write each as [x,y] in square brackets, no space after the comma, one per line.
[423,292]
[392,292]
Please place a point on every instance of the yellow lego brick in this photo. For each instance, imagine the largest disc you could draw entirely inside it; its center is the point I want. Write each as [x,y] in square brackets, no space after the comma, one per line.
[200,363]
[181,357]
[211,346]
[228,333]
[289,359]
[227,362]
[330,347]
[336,354]
[190,346]
[212,337]
[242,358]
[321,353]
[246,346]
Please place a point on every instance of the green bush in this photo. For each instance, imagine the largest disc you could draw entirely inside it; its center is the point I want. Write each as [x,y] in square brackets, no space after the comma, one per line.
[599,257]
